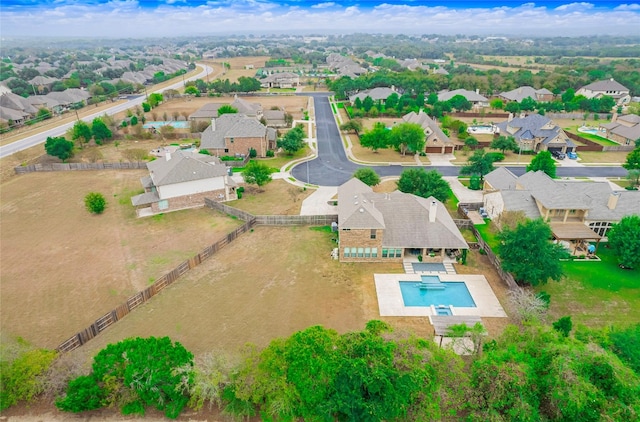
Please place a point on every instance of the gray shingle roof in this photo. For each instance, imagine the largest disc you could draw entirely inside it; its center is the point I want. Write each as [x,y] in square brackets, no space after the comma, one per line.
[431,129]
[534,126]
[606,85]
[404,217]
[376,94]
[209,110]
[472,96]
[520,200]
[231,126]
[501,179]
[184,167]
[523,92]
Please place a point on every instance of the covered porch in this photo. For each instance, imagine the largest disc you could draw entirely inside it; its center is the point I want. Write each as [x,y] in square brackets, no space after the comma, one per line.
[576,236]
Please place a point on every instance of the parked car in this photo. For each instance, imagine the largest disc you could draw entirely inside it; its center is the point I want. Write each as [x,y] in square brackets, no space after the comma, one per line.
[572,155]
[558,154]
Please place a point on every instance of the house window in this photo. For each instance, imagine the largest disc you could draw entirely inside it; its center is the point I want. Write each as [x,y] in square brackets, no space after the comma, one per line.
[163,205]
[398,253]
[374,252]
[367,252]
[385,253]
[226,150]
[373,233]
[231,140]
[360,252]
[347,253]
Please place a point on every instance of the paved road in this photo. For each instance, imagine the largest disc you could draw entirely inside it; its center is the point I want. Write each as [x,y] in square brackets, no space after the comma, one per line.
[333,168]
[134,100]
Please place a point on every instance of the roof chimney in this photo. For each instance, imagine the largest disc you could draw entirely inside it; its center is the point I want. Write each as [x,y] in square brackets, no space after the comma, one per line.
[432,211]
[613,200]
[167,155]
[213,125]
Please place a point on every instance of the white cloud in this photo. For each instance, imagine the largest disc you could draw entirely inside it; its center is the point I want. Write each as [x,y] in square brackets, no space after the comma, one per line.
[130,18]
[323,5]
[633,6]
[574,7]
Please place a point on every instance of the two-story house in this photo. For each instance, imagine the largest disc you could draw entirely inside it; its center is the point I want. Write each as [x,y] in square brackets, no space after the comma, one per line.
[381,227]
[237,134]
[608,87]
[536,133]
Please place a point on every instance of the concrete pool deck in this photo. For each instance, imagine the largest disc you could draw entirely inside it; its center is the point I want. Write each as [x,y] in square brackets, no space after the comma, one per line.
[390,301]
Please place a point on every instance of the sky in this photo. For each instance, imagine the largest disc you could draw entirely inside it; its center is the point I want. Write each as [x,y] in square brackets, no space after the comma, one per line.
[152,18]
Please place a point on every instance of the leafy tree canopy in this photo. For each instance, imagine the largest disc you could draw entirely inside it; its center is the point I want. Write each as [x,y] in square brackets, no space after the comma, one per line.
[528,253]
[59,147]
[376,138]
[408,137]
[100,130]
[367,176]
[227,109]
[81,131]
[504,143]
[543,161]
[424,184]
[624,240]
[480,163]
[95,202]
[633,160]
[256,173]
[293,140]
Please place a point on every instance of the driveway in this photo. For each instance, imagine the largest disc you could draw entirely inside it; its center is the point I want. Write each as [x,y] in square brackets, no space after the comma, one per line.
[317,202]
[463,193]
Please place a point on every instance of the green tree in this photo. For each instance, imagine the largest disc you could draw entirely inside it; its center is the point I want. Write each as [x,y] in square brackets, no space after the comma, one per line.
[376,138]
[407,137]
[154,99]
[59,147]
[100,130]
[81,132]
[95,202]
[135,373]
[460,103]
[504,143]
[543,162]
[256,173]
[624,240]
[192,90]
[227,109]
[563,325]
[470,141]
[352,125]
[424,184]
[512,107]
[496,104]
[367,103]
[21,372]
[528,253]
[292,141]
[367,176]
[479,163]
[146,107]
[633,160]
[43,114]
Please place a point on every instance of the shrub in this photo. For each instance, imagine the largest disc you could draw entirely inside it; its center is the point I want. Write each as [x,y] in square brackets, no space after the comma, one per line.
[253,153]
[20,379]
[95,202]
[204,152]
[270,153]
[240,189]
[495,156]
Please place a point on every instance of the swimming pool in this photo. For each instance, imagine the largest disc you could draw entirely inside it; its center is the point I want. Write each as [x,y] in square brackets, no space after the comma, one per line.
[180,124]
[482,129]
[453,293]
[592,130]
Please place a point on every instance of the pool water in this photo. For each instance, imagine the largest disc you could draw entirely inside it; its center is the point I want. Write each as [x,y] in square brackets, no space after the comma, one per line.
[455,293]
[591,130]
[181,124]
[481,129]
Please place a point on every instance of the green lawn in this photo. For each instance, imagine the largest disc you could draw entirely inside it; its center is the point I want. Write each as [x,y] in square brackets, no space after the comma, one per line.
[596,293]
[488,234]
[595,138]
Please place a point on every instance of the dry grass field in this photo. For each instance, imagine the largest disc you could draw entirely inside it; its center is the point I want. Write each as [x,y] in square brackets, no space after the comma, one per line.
[276,197]
[62,267]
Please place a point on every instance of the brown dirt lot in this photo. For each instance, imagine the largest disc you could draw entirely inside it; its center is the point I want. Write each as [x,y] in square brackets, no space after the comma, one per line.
[61,267]
[269,283]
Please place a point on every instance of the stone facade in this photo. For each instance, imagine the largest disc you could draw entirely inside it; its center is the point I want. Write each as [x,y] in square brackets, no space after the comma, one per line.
[235,146]
[362,239]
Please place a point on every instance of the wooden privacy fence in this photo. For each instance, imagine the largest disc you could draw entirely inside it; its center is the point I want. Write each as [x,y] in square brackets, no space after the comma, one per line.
[589,145]
[273,220]
[507,277]
[125,165]
[141,297]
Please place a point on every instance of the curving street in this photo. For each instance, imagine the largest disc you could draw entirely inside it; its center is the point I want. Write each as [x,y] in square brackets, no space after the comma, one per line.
[133,101]
[332,167]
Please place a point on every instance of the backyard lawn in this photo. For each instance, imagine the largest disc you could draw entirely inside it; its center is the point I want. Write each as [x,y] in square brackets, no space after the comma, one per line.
[596,293]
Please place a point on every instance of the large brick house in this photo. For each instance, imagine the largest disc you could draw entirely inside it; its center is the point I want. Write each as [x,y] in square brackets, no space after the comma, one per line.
[624,130]
[577,211]
[436,141]
[536,133]
[381,227]
[182,180]
[236,134]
